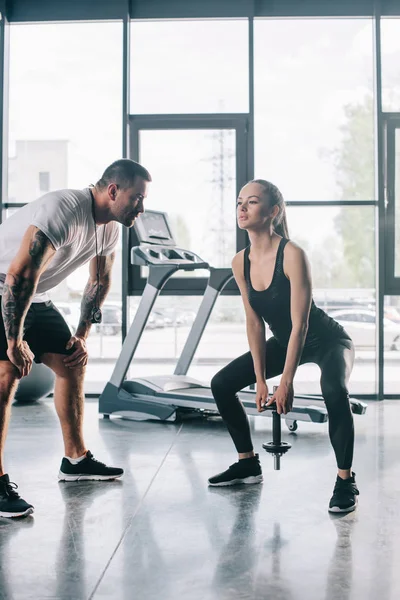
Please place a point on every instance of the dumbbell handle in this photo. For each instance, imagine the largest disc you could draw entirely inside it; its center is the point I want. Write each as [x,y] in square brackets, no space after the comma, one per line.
[276,436]
[276,427]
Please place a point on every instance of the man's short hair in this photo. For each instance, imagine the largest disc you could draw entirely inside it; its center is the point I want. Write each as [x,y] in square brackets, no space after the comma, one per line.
[123,172]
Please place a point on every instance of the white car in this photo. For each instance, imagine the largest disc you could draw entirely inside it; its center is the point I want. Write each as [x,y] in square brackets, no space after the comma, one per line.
[360,325]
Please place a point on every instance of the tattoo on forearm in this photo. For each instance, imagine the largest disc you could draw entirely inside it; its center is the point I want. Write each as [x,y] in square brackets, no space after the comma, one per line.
[37,248]
[92,298]
[15,302]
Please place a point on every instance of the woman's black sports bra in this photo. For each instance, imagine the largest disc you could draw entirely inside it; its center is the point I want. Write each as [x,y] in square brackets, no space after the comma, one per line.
[273,305]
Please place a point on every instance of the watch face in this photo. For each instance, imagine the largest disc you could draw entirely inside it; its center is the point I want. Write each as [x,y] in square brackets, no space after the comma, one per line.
[96,315]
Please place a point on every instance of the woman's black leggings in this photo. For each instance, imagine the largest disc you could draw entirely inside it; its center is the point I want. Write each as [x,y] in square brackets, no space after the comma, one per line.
[335,361]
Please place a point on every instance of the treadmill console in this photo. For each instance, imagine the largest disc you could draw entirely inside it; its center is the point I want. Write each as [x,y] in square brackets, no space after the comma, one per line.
[152,227]
[157,247]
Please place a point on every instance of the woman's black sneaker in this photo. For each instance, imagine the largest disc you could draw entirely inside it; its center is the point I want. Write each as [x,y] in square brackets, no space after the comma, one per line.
[87,469]
[246,470]
[345,494]
[11,504]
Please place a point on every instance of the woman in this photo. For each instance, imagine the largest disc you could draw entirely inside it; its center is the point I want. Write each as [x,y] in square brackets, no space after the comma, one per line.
[273,276]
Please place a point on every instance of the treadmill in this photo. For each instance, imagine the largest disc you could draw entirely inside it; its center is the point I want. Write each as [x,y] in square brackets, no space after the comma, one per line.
[169,397]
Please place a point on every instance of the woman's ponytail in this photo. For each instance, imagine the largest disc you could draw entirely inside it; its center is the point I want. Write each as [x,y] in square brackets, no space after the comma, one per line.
[276,199]
[281,227]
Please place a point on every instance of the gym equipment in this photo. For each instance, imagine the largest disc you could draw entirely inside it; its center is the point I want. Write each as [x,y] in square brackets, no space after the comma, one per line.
[35,386]
[166,397]
[276,447]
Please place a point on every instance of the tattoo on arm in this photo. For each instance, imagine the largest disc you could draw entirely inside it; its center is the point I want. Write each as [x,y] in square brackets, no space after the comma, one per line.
[20,284]
[37,248]
[17,294]
[92,297]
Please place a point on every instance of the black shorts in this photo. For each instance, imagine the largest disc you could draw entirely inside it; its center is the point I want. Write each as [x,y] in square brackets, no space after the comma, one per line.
[45,330]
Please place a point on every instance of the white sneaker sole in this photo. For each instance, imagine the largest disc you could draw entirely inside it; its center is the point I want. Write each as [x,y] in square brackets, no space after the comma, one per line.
[336,509]
[9,515]
[246,480]
[64,477]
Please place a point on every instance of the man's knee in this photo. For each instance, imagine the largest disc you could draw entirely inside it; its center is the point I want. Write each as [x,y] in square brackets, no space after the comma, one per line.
[8,379]
[56,363]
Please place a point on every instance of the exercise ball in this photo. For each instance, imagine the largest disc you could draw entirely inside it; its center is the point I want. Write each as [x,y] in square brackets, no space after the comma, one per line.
[35,386]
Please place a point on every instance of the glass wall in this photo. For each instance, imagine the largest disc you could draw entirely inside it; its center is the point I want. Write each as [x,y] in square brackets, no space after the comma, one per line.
[197,66]
[339,242]
[392,344]
[194,181]
[314,121]
[313,137]
[390,36]
[65,127]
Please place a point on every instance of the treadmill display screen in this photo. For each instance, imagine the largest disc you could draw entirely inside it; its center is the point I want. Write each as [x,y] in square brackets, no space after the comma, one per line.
[152,227]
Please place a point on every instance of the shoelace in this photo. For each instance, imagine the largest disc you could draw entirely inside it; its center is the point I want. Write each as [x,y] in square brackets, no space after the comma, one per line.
[10,488]
[98,462]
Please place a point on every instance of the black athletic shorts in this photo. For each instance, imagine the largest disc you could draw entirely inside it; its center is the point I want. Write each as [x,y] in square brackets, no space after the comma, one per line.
[45,330]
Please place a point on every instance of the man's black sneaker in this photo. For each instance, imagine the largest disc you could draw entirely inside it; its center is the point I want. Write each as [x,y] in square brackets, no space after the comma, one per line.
[87,469]
[345,494]
[246,470]
[11,504]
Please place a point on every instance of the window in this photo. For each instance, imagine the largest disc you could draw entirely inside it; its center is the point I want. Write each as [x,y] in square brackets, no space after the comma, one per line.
[44,181]
[58,124]
[194,173]
[390,45]
[65,128]
[314,125]
[339,242]
[392,344]
[196,66]
[392,221]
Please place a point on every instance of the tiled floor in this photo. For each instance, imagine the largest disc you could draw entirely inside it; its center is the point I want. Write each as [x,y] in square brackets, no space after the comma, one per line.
[162,534]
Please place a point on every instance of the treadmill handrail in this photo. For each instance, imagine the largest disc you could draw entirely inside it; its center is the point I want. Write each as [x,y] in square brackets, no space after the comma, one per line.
[217,281]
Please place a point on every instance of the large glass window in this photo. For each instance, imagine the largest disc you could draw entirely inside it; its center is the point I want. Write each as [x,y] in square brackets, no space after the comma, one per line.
[314,107]
[65,127]
[194,173]
[390,45]
[391,330]
[397,205]
[198,66]
[339,242]
[392,220]
[64,105]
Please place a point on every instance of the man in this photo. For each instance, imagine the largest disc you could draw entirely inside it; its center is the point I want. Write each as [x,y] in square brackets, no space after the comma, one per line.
[40,245]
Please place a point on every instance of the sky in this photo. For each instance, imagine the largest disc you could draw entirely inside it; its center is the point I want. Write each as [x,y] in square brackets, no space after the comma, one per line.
[66,83]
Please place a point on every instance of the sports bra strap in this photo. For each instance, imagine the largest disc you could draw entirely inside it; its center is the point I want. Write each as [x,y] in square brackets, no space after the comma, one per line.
[246,263]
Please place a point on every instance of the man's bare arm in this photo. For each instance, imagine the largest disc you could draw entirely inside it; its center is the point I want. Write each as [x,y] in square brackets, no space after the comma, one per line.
[93,295]
[34,255]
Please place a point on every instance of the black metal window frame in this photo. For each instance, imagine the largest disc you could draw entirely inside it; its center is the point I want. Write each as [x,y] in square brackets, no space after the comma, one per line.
[67,10]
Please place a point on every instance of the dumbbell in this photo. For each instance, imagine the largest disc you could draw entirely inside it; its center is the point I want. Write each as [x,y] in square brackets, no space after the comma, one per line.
[276,447]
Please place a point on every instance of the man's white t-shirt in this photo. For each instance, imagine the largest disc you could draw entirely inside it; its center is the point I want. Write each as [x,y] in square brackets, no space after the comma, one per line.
[66,218]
